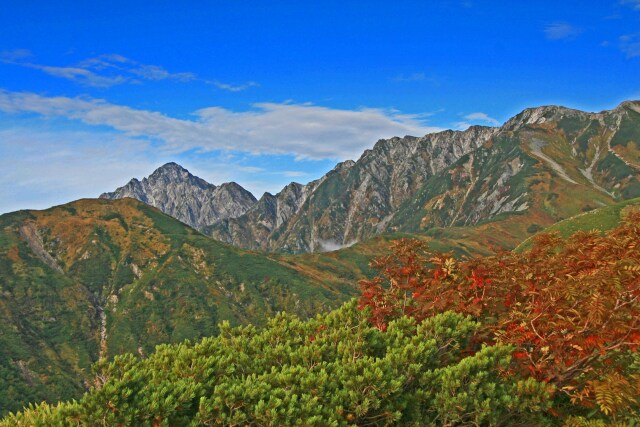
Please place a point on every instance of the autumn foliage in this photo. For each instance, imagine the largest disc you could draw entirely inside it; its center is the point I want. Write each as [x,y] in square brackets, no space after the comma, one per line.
[569,308]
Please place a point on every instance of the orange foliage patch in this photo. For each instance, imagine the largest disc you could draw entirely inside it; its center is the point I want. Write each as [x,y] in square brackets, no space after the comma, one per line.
[570,308]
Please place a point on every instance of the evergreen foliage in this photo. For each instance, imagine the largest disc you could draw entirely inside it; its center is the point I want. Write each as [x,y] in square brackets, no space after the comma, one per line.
[333,370]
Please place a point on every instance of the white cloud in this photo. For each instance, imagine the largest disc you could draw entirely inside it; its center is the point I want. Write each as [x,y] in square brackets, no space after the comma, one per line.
[482,117]
[415,77]
[11,56]
[79,75]
[630,45]
[42,168]
[561,31]
[106,61]
[332,245]
[304,130]
[475,119]
[155,72]
[462,125]
[251,169]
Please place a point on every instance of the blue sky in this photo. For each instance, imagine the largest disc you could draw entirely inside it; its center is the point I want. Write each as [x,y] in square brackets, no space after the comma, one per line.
[264,93]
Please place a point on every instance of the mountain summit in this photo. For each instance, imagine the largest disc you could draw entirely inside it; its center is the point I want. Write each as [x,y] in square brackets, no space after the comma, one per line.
[192,200]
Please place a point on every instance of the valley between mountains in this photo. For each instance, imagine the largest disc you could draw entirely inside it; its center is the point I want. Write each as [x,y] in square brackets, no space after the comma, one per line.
[166,258]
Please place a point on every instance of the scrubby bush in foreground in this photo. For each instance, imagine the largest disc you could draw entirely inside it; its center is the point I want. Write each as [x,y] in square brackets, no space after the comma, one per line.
[335,369]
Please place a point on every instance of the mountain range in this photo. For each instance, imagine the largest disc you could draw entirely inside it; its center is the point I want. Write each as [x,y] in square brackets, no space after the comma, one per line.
[529,166]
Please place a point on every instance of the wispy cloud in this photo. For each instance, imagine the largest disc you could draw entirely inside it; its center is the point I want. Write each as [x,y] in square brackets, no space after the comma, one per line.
[630,45]
[304,130]
[11,56]
[233,88]
[476,118]
[79,75]
[251,169]
[155,72]
[111,69]
[561,31]
[417,77]
[481,117]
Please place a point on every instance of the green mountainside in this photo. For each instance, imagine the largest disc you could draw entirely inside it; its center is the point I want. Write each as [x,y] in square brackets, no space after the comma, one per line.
[99,278]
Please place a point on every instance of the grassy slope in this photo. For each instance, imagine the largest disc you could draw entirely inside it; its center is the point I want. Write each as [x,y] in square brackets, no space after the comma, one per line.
[601,219]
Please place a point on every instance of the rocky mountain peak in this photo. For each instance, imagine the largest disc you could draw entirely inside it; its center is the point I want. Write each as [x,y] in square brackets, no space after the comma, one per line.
[232,186]
[352,201]
[629,105]
[544,114]
[175,191]
[174,173]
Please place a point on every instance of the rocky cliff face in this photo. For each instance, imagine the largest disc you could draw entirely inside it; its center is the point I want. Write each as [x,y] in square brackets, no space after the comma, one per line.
[192,200]
[543,165]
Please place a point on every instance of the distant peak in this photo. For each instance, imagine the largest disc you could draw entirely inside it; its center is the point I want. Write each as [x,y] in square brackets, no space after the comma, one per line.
[542,114]
[171,166]
[231,184]
[236,190]
[295,185]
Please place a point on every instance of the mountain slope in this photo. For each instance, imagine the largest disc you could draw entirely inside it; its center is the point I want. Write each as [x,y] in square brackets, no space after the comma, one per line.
[601,219]
[96,278]
[544,165]
[192,200]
